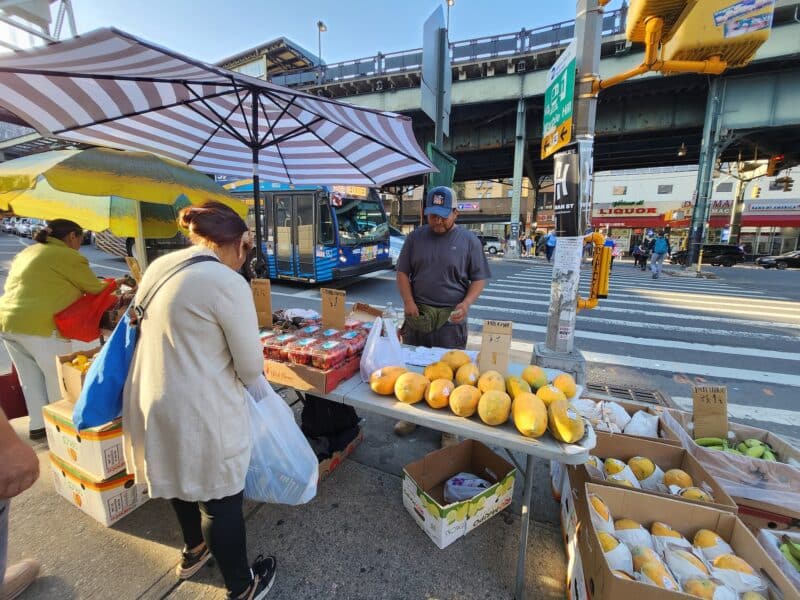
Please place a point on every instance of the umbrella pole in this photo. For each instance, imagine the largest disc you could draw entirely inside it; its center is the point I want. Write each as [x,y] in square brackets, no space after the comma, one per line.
[260,266]
[141,249]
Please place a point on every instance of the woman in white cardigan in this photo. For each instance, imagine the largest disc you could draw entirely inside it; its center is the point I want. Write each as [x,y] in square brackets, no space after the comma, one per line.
[186,420]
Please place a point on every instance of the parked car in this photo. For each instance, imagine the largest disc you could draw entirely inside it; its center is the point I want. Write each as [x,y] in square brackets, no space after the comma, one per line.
[491,243]
[9,224]
[23,227]
[782,261]
[396,240]
[713,254]
[35,226]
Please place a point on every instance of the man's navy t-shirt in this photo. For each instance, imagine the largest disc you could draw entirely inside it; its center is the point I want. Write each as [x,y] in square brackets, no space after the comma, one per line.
[441,267]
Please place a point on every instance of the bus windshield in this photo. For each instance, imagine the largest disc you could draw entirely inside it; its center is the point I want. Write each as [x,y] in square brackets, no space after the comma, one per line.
[360,221]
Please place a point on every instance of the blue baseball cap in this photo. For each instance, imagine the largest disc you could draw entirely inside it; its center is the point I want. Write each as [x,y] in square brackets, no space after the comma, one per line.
[440,201]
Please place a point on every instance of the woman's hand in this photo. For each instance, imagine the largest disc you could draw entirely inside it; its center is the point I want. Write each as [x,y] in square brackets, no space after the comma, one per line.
[19,467]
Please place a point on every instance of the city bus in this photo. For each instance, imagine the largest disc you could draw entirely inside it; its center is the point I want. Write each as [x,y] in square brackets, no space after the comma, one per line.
[320,233]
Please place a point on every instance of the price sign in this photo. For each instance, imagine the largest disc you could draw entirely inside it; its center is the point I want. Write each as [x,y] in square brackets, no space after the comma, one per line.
[495,346]
[710,411]
[333,308]
[262,297]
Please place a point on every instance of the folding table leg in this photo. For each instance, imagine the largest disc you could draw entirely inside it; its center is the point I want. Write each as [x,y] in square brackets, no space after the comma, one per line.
[519,593]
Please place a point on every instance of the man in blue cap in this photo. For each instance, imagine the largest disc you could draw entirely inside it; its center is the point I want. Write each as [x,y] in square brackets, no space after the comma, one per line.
[441,271]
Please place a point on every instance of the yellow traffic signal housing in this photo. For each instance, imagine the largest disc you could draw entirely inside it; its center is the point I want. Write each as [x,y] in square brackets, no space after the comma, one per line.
[640,10]
[757,191]
[733,31]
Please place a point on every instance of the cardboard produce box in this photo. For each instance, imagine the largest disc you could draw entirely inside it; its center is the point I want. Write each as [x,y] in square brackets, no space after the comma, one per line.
[309,379]
[770,488]
[771,540]
[573,513]
[684,517]
[630,408]
[69,378]
[666,457]
[97,450]
[106,501]
[423,490]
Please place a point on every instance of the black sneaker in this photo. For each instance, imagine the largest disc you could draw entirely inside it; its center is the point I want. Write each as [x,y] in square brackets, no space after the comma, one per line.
[192,562]
[263,570]
[37,434]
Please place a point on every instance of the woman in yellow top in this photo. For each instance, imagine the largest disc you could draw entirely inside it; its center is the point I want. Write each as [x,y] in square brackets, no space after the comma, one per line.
[45,278]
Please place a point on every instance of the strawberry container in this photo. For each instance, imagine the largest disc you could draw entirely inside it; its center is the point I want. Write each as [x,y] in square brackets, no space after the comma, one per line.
[299,351]
[355,341]
[328,355]
[309,331]
[353,324]
[329,334]
[277,348]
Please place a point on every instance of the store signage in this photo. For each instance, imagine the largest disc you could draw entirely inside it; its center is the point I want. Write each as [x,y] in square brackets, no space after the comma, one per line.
[776,206]
[558,96]
[628,203]
[566,186]
[462,206]
[631,211]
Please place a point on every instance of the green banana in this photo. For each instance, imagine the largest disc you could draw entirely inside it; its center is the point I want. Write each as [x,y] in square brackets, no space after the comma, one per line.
[755,451]
[714,447]
[752,443]
[710,441]
[742,447]
[733,451]
[769,455]
[787,554]
[793,548]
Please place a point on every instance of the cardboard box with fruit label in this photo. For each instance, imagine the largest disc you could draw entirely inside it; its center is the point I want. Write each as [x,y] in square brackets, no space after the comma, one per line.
[97,450]
[72,371]
[105,501]
[423,490]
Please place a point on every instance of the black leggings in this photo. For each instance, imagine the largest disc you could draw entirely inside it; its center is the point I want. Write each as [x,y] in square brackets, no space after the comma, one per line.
[220,523]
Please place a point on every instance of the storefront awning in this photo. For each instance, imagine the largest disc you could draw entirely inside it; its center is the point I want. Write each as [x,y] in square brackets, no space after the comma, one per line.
[771,220]
[634,222]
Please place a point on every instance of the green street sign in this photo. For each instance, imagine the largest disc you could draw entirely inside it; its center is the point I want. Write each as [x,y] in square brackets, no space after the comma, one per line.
[557,127]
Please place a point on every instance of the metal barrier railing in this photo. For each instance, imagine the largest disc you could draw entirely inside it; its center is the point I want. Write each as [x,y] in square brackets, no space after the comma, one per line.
[523,42]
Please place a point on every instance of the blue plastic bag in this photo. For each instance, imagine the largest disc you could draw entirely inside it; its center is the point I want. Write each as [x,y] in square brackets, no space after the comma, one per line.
[283,468]
[101,397]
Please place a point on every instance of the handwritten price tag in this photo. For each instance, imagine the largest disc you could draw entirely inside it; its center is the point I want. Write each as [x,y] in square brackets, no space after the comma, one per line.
[710,411]
[333,308]
[262,298]
[495,346]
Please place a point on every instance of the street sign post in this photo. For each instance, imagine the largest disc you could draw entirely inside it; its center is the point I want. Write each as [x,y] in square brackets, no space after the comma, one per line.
[558,100]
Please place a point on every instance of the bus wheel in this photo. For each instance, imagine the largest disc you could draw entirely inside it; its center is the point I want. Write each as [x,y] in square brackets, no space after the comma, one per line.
[252,269]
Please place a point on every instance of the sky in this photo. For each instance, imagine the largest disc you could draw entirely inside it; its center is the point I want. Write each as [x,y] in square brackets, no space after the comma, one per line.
[211,30]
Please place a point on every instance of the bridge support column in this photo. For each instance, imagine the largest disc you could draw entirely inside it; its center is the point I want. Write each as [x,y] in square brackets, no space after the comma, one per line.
[512,247]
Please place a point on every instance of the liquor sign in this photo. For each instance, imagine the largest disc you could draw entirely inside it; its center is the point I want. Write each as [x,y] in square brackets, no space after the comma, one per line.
[557,127]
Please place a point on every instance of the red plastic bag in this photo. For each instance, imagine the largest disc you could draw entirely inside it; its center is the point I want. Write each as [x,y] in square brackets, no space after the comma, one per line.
[12,400]
[81,319]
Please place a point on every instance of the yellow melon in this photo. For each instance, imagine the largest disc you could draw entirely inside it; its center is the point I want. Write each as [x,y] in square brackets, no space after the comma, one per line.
[467,374]
[438,370]
[566,384]
[530,415]
[438,393]
[566,423]
[464,400]
[494,407]
[516,386]
[455,359]
[732,562]
[550,394]
[491,380]
[678,477]
[410,387]
[382,381]
[535,376]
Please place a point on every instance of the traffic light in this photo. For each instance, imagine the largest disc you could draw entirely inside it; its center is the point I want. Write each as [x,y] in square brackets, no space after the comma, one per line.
[756,191]
[772,165]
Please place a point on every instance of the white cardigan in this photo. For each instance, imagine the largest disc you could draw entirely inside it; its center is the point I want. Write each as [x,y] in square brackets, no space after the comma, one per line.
[185,420]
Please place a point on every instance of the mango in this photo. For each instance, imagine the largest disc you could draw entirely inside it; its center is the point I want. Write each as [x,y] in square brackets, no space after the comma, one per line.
[530,415]
[655,573]
[660,529]
[534,376]
[695,493]
[491,380]
[622,524]
[494,407]
[642,555]
[455,359]
[732,562]
[438,393]
[607,541]
[566,424]
[516,386]
[700,587]
[382,381]
[600,507]
[686,555]
[642,467]
[705,538]
[612,466]
[678,477]
[467,374]
[566,384]
[753,596]
[438,370]
[464,400]
[550,394]
[410,387]
[620,480]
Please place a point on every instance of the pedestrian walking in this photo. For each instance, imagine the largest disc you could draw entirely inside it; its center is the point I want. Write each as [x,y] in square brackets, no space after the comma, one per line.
[184,405]
[45,278]
[19,469]
[441,271]
[550,245]
[528,246]
[660,250]
[610,243]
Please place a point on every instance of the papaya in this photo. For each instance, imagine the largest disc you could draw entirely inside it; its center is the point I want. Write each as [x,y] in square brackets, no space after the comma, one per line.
[516,386]
[464,400]
[438,370]
[494,407]
[410,387]
[566,384]
[550,394]
[566,423]
[382,381]
[455,359]
[534,376]
[491,380]
[438,393]
[529,414]
[467,374]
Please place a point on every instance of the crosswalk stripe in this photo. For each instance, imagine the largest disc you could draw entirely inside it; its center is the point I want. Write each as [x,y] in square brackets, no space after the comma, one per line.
[654,343]
[672,367]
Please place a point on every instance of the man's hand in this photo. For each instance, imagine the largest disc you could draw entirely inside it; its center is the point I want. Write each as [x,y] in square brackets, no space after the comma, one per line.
[459,314]
[411,309]
[19,467]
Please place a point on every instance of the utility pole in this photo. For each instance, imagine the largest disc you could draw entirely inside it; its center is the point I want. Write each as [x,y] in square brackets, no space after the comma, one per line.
[573,191]
[512,247]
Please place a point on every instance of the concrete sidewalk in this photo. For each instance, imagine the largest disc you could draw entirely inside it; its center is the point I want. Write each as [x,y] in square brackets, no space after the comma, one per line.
[355,540]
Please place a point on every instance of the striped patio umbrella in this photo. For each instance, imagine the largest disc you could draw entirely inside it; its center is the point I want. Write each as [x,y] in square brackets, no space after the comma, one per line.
[109,88]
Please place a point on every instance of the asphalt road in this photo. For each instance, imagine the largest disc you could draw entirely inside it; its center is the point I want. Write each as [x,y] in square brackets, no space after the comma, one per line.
[741,329]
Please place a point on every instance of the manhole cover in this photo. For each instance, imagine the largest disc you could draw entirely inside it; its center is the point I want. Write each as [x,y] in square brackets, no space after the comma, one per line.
[630,394]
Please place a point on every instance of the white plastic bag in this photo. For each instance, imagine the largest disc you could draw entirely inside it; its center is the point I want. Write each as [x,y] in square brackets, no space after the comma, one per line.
[283,468]
[463,487]
[381,351]
[642,424]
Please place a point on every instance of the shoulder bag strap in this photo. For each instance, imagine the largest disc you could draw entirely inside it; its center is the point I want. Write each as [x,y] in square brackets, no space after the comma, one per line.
[137,310]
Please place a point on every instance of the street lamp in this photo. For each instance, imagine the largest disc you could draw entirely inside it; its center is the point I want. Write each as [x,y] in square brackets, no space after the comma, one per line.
[449,4]
[320,28]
